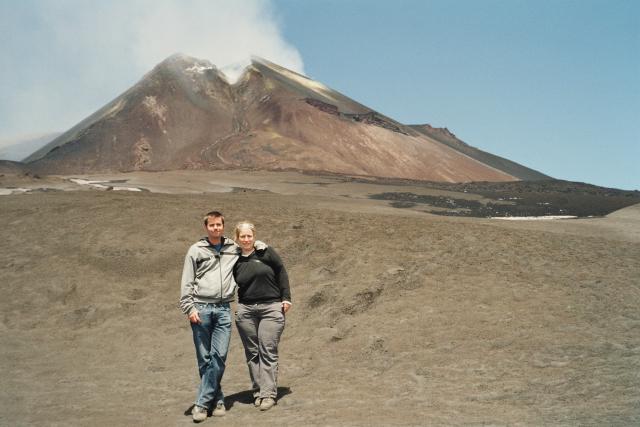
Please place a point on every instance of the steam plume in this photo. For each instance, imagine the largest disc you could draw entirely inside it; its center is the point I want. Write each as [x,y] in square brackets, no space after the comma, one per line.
[86,53]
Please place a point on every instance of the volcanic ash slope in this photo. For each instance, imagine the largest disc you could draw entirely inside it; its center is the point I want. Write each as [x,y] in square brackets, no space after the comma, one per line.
[397,319]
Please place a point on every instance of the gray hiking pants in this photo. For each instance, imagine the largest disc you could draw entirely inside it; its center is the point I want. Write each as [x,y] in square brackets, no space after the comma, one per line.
[260,327]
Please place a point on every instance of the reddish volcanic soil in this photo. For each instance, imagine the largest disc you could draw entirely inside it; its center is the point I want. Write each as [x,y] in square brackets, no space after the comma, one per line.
[184,114]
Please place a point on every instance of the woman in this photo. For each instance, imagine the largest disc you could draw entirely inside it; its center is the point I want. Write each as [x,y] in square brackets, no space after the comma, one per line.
[263,300]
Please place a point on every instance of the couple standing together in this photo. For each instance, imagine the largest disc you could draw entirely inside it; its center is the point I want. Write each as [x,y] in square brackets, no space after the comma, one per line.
[214,267]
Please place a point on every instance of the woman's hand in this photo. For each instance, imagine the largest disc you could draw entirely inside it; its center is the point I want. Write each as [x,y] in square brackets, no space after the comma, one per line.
[286,305]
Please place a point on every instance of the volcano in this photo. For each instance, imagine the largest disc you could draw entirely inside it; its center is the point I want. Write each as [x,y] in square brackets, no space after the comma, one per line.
[185,114]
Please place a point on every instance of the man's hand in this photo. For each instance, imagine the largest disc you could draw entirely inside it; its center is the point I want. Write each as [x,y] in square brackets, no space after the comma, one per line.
[194,317]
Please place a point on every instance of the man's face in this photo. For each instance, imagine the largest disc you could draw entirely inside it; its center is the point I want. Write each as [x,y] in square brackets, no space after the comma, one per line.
[215,228]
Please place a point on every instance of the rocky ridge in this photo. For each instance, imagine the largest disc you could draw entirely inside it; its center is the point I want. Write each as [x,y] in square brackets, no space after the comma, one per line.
[184,114]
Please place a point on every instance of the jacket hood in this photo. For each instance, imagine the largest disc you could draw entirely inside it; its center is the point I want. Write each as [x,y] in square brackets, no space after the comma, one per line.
[204,242]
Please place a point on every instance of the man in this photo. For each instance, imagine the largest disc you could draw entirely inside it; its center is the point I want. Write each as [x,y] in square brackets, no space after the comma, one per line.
[207,288]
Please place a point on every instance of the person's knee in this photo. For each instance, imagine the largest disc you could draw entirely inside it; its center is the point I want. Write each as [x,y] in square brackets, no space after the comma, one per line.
[219,356]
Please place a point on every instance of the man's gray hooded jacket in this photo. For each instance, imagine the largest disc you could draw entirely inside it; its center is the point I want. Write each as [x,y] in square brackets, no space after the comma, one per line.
[207,276]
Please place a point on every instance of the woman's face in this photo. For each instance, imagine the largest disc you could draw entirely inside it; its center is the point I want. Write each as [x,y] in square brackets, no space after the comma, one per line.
[246,239]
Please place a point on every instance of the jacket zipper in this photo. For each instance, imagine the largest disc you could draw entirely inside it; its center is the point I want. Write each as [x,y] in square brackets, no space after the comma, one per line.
[220,268]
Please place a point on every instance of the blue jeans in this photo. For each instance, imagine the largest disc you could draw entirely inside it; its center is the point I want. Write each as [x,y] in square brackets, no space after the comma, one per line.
[211,338]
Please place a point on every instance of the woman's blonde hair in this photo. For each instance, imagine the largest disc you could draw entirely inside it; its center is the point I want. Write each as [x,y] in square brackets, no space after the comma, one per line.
[245,224]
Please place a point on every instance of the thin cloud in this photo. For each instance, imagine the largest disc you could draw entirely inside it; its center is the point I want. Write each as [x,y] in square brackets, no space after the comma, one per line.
[83,54]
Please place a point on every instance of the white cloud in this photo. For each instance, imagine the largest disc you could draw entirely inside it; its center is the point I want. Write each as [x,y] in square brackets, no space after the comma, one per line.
[67,58]
[227,33]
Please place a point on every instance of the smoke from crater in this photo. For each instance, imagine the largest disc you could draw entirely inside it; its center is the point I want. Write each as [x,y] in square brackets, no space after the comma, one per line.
[86,53]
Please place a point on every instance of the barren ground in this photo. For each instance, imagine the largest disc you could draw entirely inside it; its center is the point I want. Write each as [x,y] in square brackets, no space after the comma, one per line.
[399,318]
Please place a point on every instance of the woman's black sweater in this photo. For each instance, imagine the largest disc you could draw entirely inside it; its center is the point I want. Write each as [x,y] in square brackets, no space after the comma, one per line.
[261,278]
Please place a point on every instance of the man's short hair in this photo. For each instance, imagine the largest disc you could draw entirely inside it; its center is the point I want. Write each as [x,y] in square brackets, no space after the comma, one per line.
[213,214]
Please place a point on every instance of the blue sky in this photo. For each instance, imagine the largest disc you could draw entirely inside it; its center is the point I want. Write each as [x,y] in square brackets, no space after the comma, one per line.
[551,84]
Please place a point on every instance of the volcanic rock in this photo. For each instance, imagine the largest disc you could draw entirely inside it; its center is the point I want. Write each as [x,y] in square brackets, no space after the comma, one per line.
[185,114]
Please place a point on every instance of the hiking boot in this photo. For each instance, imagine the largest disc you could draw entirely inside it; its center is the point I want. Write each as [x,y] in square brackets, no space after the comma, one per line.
[257,402]
[199,413]
[219,410]
[267,403]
